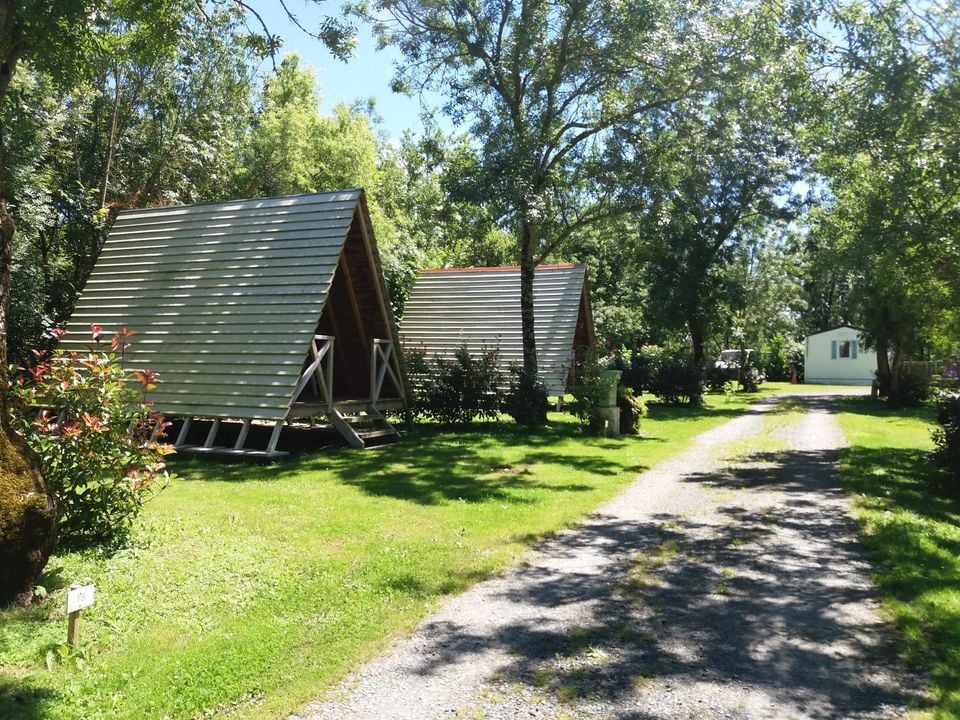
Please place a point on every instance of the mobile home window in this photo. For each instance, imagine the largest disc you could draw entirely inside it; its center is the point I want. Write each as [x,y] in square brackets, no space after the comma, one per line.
[843,349]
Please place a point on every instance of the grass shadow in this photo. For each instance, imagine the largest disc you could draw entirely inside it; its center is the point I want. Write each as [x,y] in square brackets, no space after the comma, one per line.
[22,700]
[910,526]
[433,464]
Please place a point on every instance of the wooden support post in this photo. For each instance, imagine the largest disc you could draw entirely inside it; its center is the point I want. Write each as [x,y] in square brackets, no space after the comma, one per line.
[212,435]
[374,350]
[275,436]
[184,429]
[78,598]
[329,377]
[73,627]
[242,437]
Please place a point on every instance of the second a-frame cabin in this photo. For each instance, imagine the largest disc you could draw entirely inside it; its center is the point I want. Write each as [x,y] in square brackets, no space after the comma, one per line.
[479,308]
[252,313]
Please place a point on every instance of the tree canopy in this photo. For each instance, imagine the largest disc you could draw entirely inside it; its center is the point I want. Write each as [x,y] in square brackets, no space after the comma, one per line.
[729,172]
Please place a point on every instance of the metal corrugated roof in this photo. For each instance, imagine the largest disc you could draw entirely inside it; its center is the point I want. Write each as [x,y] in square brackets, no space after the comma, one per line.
[480,307]
[225,297]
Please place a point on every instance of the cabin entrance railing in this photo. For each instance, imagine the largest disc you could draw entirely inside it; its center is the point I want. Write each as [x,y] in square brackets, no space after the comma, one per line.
[321,348]
[381,353]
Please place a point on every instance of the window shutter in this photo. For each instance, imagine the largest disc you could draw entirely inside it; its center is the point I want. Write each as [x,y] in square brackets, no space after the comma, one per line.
[853,349]
[833,349]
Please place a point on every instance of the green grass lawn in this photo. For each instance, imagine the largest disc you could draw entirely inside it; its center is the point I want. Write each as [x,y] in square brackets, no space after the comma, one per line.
[251,589]
[911,526]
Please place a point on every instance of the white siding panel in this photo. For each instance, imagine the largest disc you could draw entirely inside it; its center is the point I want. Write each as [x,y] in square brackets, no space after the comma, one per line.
[819,367]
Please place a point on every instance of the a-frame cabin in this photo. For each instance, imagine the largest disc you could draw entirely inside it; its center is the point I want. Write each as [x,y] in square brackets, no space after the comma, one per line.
[252,313]
[479,308]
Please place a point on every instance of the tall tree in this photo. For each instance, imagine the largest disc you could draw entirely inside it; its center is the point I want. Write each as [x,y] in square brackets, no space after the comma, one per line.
[61,41]
[722,169]
[549,90]
[159,119]
[892,162]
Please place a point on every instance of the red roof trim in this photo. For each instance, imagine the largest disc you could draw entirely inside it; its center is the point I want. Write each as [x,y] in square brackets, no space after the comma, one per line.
[501,268]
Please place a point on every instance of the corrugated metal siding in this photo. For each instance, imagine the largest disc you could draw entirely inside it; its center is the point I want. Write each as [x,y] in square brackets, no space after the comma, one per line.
[481,308]
[225,297]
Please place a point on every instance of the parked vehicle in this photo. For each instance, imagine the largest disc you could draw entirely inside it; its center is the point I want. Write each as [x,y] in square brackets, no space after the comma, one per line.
[730,360]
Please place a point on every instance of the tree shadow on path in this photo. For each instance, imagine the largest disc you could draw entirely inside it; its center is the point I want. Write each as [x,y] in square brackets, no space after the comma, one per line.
[762,608]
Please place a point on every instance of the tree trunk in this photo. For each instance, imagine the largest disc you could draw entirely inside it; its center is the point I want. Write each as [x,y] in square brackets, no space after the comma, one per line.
[108,163]
[894,397]
[7,229]
[527,319]
[698,340]
[883,367]
[28,508]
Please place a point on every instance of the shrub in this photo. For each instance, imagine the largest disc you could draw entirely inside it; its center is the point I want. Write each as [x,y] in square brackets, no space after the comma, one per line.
[914,387]
[457,390]
[526,402]
[632,409]
[417,365]
[643,366]
[89,421]
[750,375]
[780,358]
[27,520]
[588,392]
[947,437]
[717,379]
[676,380]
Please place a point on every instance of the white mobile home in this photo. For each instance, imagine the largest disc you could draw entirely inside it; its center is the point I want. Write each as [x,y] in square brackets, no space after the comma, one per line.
[837,357]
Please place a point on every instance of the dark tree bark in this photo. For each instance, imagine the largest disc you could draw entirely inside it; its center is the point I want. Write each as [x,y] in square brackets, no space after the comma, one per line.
[527,318]
[7,229]
[698,340]
[883,367]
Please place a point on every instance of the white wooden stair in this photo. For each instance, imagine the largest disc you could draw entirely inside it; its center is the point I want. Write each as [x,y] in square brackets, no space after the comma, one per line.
[363,425]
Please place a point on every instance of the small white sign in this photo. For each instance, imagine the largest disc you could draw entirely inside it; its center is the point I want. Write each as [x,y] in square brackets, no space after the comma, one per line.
[79,597]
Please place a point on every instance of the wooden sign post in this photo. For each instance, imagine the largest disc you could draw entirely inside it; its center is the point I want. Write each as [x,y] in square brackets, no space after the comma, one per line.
[79,597]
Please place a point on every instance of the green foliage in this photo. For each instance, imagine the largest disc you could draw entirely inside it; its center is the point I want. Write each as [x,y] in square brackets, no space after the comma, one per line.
[526,400]
[750,374]
[640,366]
[157,118]
[717,257]
[913,387]
[553,95]
[632,409]
[780,358]
[89,421]
[718,379]
[947,436]
[617,325]
[27,521]
[455,391]
[890,140]
[676,380]
[671,375]
[589,391]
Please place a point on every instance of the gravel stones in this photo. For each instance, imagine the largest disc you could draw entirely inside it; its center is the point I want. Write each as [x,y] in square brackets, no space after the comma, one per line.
[713,587]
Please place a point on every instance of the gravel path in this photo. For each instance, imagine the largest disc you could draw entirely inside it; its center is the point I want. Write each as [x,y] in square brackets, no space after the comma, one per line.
[724,583]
